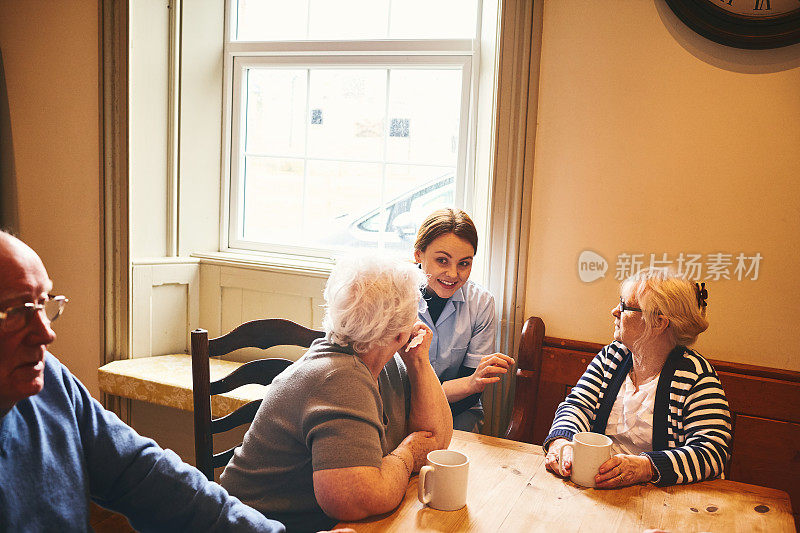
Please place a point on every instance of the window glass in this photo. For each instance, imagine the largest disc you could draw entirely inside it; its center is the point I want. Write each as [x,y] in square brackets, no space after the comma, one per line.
[274,20]
[349,142]
[275,111]
[332,159]
[348,109]
[424,108]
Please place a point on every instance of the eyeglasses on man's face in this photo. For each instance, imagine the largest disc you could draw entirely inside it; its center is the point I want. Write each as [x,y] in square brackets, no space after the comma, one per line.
[625,307]
[15,318]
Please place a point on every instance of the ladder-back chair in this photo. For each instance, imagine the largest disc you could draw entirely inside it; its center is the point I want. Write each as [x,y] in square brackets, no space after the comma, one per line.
[255,334]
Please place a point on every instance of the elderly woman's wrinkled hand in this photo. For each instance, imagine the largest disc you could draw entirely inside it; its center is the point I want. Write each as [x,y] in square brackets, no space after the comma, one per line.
[551,459]
[419,443]
[623,470]
[417,348]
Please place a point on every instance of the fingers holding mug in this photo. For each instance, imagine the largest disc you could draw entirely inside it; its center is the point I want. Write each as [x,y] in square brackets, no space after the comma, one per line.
[558,459]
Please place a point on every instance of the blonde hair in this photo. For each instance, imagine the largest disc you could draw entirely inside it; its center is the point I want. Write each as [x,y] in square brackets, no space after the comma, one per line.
[663,292]
[370,299]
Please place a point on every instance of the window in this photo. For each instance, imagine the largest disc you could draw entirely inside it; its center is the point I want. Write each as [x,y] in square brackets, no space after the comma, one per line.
[347,121]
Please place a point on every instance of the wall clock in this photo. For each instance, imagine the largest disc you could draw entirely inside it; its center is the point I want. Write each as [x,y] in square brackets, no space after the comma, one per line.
[754,24]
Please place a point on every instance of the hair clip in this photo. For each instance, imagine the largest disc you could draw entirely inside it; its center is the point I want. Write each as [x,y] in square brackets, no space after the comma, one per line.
[702,295]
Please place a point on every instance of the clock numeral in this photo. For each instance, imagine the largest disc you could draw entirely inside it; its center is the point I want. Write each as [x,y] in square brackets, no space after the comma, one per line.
[761,5]
[727,3]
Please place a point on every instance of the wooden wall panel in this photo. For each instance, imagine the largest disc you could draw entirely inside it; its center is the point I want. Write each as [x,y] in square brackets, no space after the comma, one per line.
[767,453]
[763,397]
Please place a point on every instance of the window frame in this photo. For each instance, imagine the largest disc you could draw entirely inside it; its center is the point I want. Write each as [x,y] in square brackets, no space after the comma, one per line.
[463,54]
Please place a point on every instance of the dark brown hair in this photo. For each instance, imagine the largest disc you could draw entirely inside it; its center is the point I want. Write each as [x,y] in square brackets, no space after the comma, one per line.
[444,221]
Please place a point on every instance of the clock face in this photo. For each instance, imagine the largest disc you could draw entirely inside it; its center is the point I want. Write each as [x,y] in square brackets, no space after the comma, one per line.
[759,8]
[752,24]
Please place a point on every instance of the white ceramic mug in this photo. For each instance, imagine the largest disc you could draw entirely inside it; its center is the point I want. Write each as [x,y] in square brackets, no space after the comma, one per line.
[443,481]
[589,451]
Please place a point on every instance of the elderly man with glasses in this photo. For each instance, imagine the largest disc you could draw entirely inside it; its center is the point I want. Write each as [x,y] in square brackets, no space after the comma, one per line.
[59,448]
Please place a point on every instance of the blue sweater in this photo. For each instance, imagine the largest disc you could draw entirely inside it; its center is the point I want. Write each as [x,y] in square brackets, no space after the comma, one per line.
[61,448]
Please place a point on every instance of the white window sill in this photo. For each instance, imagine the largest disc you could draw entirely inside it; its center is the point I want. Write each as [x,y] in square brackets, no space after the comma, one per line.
[272,262]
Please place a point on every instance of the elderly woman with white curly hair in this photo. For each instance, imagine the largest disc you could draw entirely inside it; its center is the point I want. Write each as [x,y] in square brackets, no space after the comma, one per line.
[660,402]
[341,431]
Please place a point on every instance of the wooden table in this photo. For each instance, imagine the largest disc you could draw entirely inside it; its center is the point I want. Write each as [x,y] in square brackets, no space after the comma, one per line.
[510,490]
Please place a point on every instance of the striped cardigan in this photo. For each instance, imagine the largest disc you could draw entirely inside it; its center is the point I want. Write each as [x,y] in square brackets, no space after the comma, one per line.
[691,419]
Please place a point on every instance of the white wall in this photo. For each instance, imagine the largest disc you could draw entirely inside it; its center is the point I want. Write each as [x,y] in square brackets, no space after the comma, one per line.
[148,59]
[652,139]
[201,126]
[200,123]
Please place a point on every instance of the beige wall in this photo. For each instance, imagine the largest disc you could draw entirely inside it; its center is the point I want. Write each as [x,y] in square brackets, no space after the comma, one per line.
[50,55]
[653,140]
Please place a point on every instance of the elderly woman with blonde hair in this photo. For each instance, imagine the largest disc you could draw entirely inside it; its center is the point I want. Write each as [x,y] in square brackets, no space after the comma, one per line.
[660,402]
[341,431]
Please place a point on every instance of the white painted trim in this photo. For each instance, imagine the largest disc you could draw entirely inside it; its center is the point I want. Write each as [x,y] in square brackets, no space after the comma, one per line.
[372,60]
[225,159]
[284,263]
[377,47]
[235,110]
[141,329]
[116,313]
[164,261]
[173,126]
[149,275]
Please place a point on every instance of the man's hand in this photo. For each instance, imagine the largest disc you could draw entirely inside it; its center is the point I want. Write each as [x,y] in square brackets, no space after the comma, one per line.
[419,444]
[623,470]
[489,371]
[551,459]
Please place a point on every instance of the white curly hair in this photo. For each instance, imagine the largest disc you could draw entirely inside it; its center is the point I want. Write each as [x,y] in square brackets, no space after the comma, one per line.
[370,299]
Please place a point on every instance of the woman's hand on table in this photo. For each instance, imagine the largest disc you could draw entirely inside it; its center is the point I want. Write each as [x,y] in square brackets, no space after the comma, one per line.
[551,459]
[623,470]
[489,370]
[419,444]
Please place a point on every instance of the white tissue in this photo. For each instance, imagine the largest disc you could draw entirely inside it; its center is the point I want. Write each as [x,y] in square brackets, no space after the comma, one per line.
[417,340]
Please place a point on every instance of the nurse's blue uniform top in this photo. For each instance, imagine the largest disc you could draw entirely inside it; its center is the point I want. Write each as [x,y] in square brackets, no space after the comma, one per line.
[464,332]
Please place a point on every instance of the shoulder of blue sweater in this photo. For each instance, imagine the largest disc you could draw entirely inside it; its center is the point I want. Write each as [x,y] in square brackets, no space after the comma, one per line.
[54,367]
[696,362]
[616,350]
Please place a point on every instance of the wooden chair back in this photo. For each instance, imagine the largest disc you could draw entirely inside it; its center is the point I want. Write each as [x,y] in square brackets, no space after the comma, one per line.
[547,368]
[255,334]
[764,406]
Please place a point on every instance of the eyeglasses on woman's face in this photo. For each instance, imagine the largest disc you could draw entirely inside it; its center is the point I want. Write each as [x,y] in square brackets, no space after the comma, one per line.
[625,307]
[14,319]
